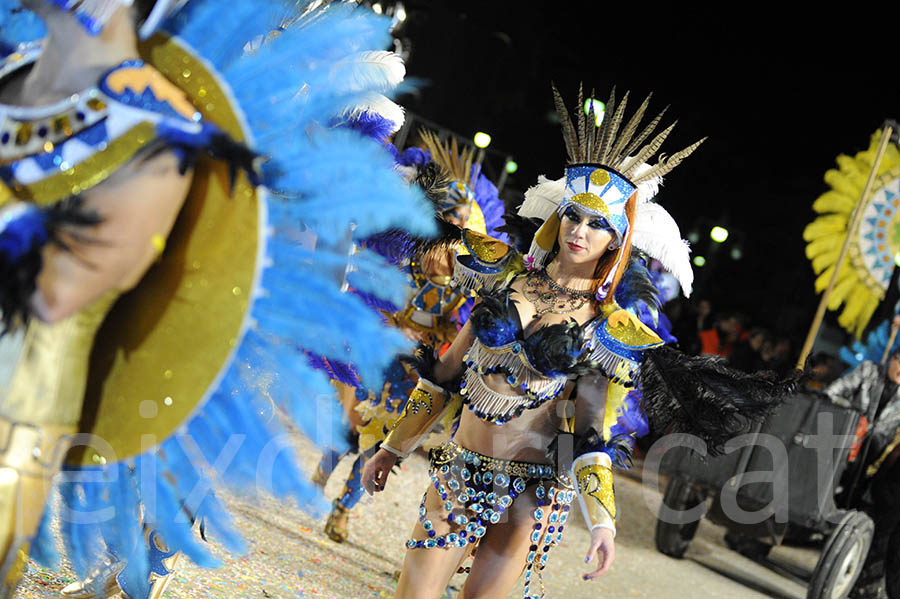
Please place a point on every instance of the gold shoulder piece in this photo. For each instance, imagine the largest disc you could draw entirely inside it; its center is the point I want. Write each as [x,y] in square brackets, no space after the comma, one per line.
[627,328]
[484,247]
[484,261]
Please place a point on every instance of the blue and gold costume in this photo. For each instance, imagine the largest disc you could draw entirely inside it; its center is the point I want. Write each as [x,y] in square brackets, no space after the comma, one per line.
[168,375]
[609,179]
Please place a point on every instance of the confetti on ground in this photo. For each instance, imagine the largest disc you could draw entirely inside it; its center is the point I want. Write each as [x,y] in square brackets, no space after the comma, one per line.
[291,557]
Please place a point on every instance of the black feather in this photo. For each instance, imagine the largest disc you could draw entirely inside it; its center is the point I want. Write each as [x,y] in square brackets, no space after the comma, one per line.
[566,447]
[18,278]
[636,286]
[423,361]
[219,146]
[495,319]
[521,230]
[620,448]
[433,181]
[700,395]
[559,349]
[553,350]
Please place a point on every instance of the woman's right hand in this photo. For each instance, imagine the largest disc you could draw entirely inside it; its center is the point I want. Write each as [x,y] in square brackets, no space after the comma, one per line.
[377,469]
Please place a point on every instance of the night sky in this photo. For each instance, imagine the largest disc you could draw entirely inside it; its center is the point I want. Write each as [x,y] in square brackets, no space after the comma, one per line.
[778,100]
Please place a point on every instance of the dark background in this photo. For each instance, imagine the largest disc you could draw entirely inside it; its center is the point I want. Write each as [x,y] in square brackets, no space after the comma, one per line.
[778,97]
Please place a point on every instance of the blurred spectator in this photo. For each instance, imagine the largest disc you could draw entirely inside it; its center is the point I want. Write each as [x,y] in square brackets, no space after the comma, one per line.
[746,355]
[780,358]
[721,339]
[690,317]
[822,369]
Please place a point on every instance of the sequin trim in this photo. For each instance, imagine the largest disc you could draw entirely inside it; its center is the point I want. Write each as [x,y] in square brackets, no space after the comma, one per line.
[476,490]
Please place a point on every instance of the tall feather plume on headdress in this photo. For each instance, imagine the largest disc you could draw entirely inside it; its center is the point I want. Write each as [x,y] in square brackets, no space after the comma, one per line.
[626,148]
[378,73]
[458,166]
[621,151]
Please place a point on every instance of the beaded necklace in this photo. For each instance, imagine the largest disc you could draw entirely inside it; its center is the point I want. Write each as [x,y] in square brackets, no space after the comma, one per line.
[549,297]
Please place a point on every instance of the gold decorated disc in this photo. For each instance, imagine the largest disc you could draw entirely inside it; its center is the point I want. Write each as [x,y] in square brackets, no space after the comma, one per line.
[164,344]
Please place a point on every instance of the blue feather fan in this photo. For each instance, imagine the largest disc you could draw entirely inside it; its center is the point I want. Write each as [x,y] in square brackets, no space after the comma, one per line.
[322,178]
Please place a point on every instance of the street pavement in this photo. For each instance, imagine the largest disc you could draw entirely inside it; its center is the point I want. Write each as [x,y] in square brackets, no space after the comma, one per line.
[288,555]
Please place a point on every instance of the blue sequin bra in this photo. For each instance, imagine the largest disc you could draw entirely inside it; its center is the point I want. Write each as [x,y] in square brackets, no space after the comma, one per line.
[538,365]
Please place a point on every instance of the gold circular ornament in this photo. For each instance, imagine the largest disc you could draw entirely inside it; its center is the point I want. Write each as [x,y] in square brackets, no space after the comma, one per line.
[167,342]
[600,177]
[874,248]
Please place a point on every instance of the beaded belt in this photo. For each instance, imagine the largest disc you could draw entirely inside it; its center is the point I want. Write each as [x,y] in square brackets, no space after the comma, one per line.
[476,490]
[451,451]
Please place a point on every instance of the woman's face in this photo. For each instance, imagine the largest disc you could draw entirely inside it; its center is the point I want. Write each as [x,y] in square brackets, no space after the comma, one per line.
[458,216]
[583,237]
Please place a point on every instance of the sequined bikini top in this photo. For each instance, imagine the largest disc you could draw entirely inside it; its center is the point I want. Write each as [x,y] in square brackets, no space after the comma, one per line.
[541,364]
[538,365]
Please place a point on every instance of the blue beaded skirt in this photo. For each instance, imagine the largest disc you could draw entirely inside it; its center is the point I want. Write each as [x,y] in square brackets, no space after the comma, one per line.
[477,490]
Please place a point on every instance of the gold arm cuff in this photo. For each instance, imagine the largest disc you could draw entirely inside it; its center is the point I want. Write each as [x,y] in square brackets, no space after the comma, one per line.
[593,473]
[423,410]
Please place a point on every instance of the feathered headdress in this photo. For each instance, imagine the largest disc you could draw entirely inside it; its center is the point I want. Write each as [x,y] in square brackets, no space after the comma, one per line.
[607,165]
[458,166]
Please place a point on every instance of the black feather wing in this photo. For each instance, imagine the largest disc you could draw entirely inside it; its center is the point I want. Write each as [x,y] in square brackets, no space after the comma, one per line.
[700,395]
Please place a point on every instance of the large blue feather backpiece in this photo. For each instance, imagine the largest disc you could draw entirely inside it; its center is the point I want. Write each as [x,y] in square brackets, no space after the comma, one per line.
[322,179]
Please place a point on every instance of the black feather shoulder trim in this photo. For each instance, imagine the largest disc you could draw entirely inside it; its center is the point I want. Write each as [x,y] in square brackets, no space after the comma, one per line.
[423,361]
[23,237]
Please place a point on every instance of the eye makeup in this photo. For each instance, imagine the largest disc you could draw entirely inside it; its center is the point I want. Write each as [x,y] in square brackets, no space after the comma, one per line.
[596,222]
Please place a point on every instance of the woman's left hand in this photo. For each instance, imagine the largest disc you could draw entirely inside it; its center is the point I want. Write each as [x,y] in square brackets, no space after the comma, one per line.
[603,544]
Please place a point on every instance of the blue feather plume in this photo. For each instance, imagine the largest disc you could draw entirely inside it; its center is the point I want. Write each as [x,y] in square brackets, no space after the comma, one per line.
[873,348]
[319,177]
[18,25]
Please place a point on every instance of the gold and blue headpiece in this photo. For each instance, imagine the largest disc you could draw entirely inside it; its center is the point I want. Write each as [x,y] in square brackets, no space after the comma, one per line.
[601,191]
[458,194]
[607,165]
[458,167]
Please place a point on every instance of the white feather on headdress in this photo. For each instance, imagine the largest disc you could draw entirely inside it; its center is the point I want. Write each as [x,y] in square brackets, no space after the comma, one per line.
[382,106]
[649,188]
[543,199]
[656,233]
[381,70]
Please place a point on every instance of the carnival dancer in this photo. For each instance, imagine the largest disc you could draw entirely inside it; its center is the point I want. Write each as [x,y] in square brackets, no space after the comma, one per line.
[462,197]
[546,361]
[165,291]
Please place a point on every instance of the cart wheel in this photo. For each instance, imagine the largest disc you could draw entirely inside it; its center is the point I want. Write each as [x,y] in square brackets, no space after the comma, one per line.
[841,562]
[673,539]
[892,565]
